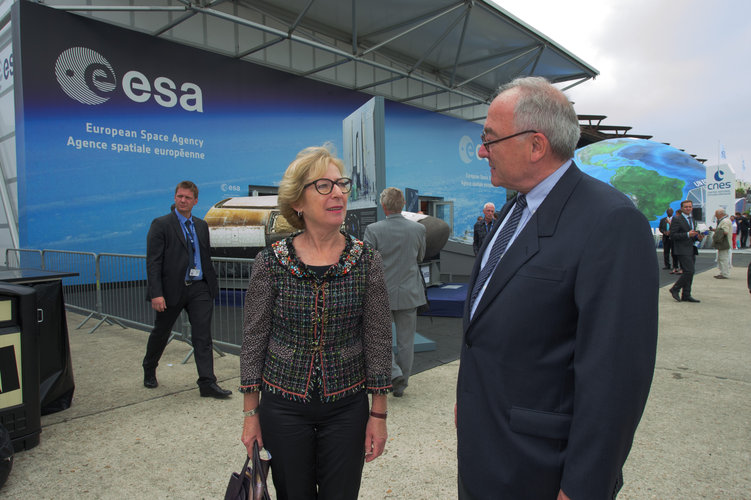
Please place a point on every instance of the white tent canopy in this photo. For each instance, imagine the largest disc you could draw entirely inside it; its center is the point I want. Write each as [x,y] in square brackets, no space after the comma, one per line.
[447,56]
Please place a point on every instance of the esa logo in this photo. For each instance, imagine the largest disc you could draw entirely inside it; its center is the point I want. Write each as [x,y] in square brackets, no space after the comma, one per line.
[468,150]
[231,187]
[87,77]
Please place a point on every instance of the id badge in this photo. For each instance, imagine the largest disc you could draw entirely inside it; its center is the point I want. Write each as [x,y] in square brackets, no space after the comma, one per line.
[194,272]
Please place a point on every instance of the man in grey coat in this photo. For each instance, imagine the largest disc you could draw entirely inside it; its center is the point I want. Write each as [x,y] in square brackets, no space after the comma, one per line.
[401,243]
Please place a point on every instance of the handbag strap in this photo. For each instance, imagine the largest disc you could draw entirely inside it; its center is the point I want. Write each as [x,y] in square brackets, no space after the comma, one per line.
[236,485]
[258,469]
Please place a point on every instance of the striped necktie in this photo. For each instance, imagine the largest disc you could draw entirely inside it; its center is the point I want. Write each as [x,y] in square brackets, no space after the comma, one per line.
[499,247]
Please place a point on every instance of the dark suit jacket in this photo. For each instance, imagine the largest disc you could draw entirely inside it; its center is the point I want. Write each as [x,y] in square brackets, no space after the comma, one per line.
[682,244]
[479,235]
[167,258]
[665,228]
[557,361]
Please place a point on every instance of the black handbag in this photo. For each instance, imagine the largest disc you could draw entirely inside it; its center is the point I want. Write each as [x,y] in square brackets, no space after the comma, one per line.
[250,482]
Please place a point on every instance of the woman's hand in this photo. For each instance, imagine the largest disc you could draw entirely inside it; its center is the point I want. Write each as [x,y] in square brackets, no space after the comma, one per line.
[375,438]
[251,433]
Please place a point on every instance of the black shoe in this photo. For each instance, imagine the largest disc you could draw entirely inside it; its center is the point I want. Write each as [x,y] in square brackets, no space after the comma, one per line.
[149,380]
[675,294]
[721,277]
[691,299]
[214,391]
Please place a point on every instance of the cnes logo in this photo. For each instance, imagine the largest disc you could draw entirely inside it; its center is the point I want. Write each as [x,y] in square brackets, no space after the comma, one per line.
[89,78]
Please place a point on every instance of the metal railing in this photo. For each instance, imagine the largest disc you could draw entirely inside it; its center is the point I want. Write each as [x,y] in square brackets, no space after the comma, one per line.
[112,288]
[121,290]
[79,291]
[23,258]
[233,276]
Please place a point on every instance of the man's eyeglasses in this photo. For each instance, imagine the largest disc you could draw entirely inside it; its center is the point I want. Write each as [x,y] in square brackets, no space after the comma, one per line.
[487,143]
[325,186]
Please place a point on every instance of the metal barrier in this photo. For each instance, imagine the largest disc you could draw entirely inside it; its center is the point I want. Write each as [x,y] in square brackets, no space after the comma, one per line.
[24,258]
[121,291]
[79,291]
[113,288]
[227,322]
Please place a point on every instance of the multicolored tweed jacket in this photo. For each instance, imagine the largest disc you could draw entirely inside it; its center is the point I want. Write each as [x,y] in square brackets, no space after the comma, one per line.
[295,321]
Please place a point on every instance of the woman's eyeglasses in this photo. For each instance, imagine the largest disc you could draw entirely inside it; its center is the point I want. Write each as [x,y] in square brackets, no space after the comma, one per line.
[325,186]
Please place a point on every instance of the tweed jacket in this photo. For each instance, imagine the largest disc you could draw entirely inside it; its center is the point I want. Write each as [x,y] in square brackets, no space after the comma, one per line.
[298,324]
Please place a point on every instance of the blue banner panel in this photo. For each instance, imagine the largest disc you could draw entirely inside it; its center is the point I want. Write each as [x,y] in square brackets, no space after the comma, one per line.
[109,120]
[437,155]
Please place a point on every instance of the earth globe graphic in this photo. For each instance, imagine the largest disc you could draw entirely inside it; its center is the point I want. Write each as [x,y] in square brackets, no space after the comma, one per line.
[654,175]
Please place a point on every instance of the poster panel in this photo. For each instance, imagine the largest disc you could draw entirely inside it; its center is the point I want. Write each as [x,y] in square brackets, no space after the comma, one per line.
[720,192]
[109,120]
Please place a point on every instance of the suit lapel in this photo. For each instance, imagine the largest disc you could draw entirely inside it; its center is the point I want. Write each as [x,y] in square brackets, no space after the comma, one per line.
[179,233]
[683,221]
[542,225]
[522,249]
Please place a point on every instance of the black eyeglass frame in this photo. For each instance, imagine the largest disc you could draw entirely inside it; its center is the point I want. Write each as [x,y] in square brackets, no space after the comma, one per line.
[488,143]
[345,189]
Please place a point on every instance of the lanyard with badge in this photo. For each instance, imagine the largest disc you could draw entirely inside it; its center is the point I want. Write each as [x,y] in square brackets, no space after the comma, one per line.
[194,271]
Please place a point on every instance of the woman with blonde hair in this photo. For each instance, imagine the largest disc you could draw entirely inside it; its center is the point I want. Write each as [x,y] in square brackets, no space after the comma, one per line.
[317,340]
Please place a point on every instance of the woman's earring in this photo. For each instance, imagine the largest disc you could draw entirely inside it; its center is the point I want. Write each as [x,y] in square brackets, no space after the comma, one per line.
[299,214]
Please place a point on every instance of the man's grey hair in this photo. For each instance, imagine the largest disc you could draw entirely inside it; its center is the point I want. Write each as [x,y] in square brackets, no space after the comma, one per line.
[488,204]
[392,199]
[544,108]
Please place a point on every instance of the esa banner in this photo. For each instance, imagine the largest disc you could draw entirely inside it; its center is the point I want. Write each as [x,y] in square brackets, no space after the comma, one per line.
[109,120]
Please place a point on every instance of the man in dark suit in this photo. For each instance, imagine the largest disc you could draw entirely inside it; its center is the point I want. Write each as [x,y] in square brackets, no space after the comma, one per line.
[560,331]
[744,224]
[684,235]
[667,244]
[483,226]
[180,276]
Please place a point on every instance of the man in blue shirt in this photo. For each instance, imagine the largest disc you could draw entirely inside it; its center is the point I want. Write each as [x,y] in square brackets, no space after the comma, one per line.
[181,277]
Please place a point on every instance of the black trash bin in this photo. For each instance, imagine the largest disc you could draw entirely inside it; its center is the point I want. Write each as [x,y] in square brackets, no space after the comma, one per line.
[20,411]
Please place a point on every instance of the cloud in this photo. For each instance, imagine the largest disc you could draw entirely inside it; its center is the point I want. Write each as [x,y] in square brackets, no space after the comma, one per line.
[678,71]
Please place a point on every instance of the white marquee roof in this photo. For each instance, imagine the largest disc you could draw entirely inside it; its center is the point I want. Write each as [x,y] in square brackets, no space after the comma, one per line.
[447,56]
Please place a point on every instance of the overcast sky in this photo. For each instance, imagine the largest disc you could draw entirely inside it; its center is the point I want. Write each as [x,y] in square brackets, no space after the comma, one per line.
[679,70]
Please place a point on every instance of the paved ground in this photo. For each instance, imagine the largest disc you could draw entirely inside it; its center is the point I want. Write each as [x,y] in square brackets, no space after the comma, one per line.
[120,440]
